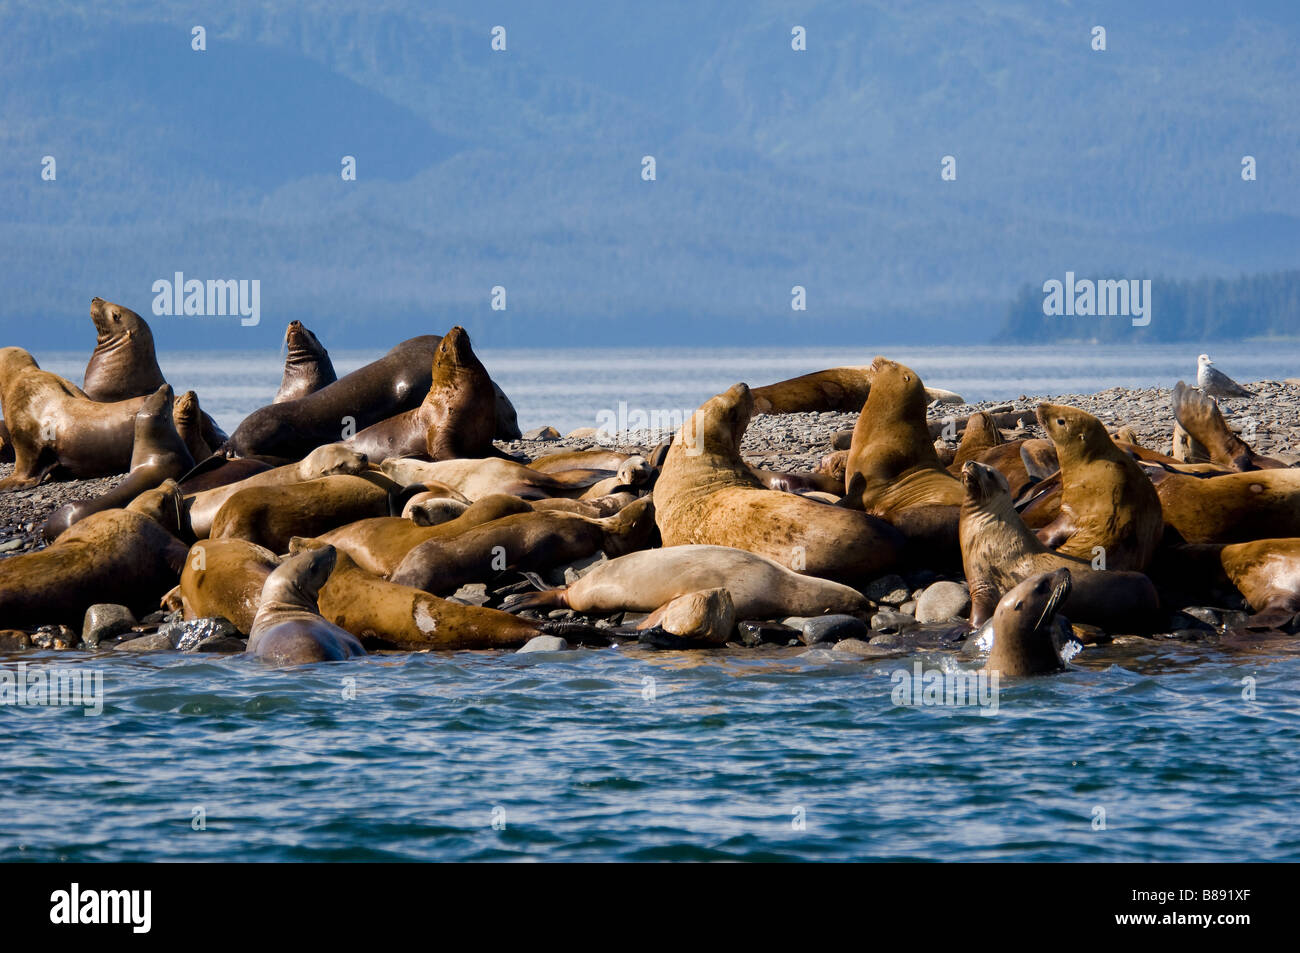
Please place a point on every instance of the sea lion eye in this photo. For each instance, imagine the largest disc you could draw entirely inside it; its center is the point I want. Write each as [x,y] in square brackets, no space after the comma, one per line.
[1019,604]
[1060,421]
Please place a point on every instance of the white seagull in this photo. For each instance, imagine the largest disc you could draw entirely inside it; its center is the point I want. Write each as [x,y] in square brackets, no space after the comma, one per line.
[1216,384]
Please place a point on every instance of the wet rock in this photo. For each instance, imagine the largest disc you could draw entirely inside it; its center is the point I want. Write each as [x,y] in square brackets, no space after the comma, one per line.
[561,614]
[226,645]
[544,643]
[757,633]
[104,621]
[189,636]
[1205,615]
[146,643]
[155,618]
[888,590]
[857,648]
[943,601]
[888,621]
[832,628]
[1188,620]
[57,637]
[472,594]
[13,640]
[908,608]
[929,636]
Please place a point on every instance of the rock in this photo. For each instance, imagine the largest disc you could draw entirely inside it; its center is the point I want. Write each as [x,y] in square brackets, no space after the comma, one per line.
[188,636]
[561,614]
[228,645]
[580,567]
[856,648]
[1186,620]
[146,643]
[942,602]
[155,618]
[635,618]
[842,440]
[908,608]
[472,594]
[888,621]
[544,643]
[1090,634]
[57,637]
[705,616]
[1205,615]
[543,433]
[833,628]
[13,640]
[888,590]
[11,544]
[584,433]
[104,621]
[756,633]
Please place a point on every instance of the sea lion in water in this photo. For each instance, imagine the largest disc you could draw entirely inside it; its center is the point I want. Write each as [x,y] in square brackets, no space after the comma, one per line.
[1233,507]
[54,426]
[456,418]
[272,515]
[1200,419]
[707,494]
[525,542]
[999,552]
[402,617]
[225,577]
[395,383]
[893,472]
[843,389]
[324,461]
[307,368]
[157,454]
[288,629]
[760,588]
[123,364]
[378,545]
[1107,501]
[119,556]
[1022,626]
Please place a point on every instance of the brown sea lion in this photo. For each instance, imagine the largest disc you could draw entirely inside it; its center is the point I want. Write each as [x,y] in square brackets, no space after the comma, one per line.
[328,460]
[187,417]
[218,471]
[272,515]
[392,385]
[456,418]
[123,364]
[401,617]
[225,577]
[1107,501]
[893,472]
[526,542]
[1267,573]
[288,628]
[999,552]
[1022,626]
[760,588]
[379,545]
[118,556]
[1184,449]
[981,434]
[55,427]
[706,615]
[1233,507]
[477,478]
[580,460]
[836,389]
[307,368]
[1201,420]
[157,454]
[596,508]
[707,494]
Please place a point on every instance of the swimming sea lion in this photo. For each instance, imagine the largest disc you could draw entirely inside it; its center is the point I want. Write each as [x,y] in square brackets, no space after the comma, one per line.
[525,542]
[707,494]
[760,588]
[999,552]
[1022,626]
[116,556]
[157,454]
[288,629]
[456,418]
[307,368]
[1107,501]
[123,364]
[225,577]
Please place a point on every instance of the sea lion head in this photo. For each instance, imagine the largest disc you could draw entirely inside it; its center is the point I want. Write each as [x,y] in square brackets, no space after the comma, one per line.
[720,423]
[186,408]
[898,384]
[1022,623]
[298,337]
[157,404]
[114,321]
[165,505]
[298,580]
[333,459]
[1072,430]
[983,483]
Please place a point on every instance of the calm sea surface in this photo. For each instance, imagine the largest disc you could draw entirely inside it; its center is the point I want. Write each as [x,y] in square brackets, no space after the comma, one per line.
[1143,751]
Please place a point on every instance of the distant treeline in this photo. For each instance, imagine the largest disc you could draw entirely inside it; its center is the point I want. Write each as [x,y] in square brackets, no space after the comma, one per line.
[1266,305]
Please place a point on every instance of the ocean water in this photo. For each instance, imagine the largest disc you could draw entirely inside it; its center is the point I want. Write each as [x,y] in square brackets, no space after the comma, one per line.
[570,387]
[1143,751]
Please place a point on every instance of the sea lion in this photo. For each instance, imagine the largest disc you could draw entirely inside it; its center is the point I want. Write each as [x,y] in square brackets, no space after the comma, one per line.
[760,588]
[707,615]
[1107,501]
[525,542]
[117,556]
[187,417]
[843,389]
[1267,573]
[981,434]
[394,384]
[225,577]
[218,471]
[580,460]
[123,364]
[1022,626]
[707,494]
[999,552]
[329,460]
[157,454]
[1199,417]
[432,509]
[378,545]
[54,426]
[1233,507]
[272,515]
[307,368]
[634,472]
[595,508]
[288,628]
[893,472]
[1185,449]
[477,478]
[388,615]
[456,418]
